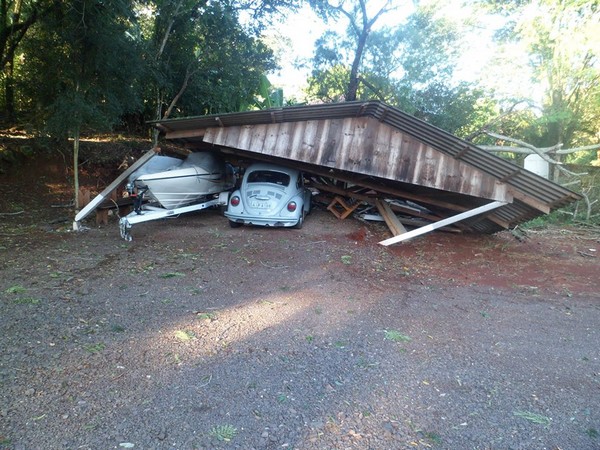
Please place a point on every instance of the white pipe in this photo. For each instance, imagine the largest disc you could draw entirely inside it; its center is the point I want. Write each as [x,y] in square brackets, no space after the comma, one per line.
[442,223]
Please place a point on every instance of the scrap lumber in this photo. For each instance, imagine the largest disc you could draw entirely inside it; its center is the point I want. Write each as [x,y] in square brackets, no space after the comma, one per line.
[340,209]
[390,218]
[442,223]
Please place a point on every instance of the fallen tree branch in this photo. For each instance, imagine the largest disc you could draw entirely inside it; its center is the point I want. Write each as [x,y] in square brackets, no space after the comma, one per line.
[524,146]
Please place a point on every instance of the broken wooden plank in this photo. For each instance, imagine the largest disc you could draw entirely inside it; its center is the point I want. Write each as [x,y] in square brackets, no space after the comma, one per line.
[371,198]
[390,218]
[442,223]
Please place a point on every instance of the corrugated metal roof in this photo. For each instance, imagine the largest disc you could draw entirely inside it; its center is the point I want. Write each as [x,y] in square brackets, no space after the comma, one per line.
[532,193]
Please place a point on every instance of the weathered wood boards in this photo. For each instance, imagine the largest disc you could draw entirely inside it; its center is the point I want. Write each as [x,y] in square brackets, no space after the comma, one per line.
[389,217]
[371,143]
[361,145]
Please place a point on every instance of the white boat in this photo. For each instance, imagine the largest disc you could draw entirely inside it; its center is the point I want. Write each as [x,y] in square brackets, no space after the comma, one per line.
[174,183]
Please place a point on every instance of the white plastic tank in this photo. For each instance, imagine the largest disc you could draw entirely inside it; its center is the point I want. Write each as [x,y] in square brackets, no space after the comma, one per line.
[536,164]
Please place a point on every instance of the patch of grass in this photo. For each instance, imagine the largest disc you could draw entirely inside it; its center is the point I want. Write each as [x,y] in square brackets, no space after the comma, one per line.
[26,301]
[592,432]
[309,338]
[433,437]
[396,336]
[172,275]
[533,417]
[206,316]
[16,289]
[116,328]
[219,246]
[94,348]
[224,433]
[185,335]
[346,259]
[282,398]
[340,344]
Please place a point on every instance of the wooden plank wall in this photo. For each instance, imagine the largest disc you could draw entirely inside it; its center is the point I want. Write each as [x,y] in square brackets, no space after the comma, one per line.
[361,145]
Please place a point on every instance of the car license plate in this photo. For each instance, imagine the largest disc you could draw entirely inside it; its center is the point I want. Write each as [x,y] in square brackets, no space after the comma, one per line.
[259,205]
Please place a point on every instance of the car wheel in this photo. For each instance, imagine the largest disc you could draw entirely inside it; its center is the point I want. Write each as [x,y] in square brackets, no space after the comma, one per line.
[300,222]
[233,224]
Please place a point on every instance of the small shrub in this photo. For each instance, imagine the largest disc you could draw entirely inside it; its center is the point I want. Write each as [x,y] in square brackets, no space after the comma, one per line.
[224,433]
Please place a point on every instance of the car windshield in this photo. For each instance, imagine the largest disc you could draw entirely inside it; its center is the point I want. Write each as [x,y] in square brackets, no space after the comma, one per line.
[268,176]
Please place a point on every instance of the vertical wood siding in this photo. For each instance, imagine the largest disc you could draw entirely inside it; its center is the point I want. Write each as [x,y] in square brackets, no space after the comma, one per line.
[361,145]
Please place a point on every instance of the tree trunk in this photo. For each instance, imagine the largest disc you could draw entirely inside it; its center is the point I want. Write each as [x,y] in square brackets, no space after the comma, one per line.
[76,167]
[9,93]
[360,49]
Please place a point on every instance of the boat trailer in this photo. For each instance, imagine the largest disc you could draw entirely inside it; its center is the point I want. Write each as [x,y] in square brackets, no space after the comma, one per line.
[146,213]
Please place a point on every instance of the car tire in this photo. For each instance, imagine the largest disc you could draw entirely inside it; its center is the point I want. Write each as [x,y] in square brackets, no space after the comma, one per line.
[233,224]
[300,222]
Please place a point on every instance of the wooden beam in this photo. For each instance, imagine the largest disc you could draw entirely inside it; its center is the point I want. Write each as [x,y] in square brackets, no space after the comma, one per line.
[442,223]
[345,192]
[371,199]
[383,189]
[390,218]
[498,221]
[91,206]
[518,195]
[185,133]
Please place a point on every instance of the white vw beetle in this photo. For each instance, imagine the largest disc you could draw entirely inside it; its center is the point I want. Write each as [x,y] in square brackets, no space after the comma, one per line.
[271,196]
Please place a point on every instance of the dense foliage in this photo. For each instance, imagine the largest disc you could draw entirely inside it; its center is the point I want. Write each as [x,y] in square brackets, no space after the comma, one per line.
[88,65]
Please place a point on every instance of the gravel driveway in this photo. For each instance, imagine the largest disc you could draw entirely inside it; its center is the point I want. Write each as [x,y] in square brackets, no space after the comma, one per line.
[198,336]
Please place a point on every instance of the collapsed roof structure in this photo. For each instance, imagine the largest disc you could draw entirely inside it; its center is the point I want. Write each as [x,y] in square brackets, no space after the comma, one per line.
[386,153]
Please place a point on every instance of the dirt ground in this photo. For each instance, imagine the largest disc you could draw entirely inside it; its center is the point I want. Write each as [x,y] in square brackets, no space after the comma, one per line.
[199,336]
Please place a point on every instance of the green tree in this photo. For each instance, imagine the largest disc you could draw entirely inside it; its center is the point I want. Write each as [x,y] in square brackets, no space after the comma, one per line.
[361,18]
[201,58]
[410,65]
[16,19]
[560,40]
[80,67]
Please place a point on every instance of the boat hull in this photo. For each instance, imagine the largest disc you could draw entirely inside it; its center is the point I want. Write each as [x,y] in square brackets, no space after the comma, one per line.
[198,176]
